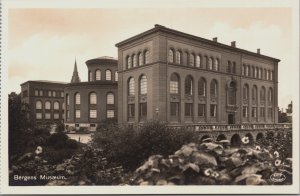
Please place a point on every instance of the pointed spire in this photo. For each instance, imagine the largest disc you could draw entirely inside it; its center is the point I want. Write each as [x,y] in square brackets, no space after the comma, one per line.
[75,77]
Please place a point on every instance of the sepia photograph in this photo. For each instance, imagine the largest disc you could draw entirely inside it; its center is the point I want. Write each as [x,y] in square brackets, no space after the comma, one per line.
[150,97]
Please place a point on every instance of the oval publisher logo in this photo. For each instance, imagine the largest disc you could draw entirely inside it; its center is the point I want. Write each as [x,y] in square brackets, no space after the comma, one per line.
[277,177]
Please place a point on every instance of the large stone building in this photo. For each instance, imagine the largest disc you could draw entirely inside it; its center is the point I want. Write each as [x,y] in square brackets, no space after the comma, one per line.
[183,79]
[45,100]
[89,103]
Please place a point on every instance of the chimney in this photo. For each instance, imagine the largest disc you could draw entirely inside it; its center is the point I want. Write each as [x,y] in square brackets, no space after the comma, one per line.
[258,50]
[215,39]
[233,43]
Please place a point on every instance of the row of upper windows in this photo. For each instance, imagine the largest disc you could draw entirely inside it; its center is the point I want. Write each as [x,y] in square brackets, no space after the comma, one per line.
[193,60]
[108,75]
[110,98]
[254,112]
[139,59]
[47,104]
[255,93]
[92,114]
[257,72]
[49,93]
[142,85]
[39,116]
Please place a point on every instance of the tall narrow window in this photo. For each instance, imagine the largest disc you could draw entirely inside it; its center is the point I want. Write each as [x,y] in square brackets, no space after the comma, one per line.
[213,88]
[47,105]
[271,75]
[270,95]
[174,109]
[268,74]
[233,67]
[189,85]
[90,76]
[216,65]
[188,109]
[77,98]
[134,60]
[143,85]
[128,59]
[56,105]
[38,105]
[201,110]
[213,110]
[140,55]
[245,92]
[178,57]
[171,56]
[108,74]
[110,99]
[174,84]
[77,114]
[192,60]
[116,76]
[210,63]
[245,111]
[254,94]
[36,92]
[198,61]
[131,90]
[98,74]
[93,98]
[202,87]
[54,93]
[143,110]
[147,56]
[262,94]
[131,110]
[232,93]
[228,69]
[247,71]
[262,112]
[254,112]
[67,99]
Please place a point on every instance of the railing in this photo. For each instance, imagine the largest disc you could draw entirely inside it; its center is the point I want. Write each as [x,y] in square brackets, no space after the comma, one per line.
[236,127]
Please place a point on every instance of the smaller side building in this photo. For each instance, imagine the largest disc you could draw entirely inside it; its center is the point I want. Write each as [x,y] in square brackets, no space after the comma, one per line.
[45,100]
[89,103]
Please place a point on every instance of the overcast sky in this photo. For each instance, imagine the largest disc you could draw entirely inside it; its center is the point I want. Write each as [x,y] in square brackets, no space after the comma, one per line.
[43,43]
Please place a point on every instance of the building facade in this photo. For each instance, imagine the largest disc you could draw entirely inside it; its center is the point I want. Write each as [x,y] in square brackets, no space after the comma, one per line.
[45,100]
[183,79]
[89,103]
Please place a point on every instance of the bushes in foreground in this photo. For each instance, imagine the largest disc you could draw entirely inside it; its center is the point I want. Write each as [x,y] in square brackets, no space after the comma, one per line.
[129,148]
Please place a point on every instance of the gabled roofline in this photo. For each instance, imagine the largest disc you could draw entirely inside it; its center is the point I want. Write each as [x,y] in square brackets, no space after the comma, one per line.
[160,28]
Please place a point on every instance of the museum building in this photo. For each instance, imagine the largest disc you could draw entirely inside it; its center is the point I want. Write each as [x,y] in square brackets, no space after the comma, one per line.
[89,103]
[183,79]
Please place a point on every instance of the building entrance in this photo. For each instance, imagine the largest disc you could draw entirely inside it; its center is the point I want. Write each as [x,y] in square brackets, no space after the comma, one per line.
[231,119]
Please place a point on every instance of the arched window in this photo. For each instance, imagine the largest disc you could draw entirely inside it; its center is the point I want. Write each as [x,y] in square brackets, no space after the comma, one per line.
[202,87]
[171,56]
[38,105]
[143,85]
[67,99]
[232,93]
[174,84]
[128,60]
[213,88]
[110,98]
[178,57]
[93,98]
[77,98]
[56,105]
[108,74]
[91,76]
[131,90]
[116,76]
[147,56]
[98,74]
[216,64]
[210,63]
[270,95]
[228,69]
[134,61]
[245,92]
[268,74]
[198,61]
[189,85]
[192,60]
[141,59]
[262,94]
[254,94]
[259,73]
[47,105]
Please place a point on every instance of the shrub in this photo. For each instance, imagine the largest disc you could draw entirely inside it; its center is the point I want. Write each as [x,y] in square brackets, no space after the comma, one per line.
[58,140]
[129,148]
[71,143]
[60,127]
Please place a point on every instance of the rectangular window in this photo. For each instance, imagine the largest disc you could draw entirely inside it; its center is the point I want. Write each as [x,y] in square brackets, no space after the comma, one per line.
[110,114]
[77,113]
[270,112]
[188,111]
[62,94]
[143,110]
[174,109]
[47,116]
[41,93]
[56,116]
[245,111]
[262,112]
[68,115]
[254,112]
[131,110]
[174,87]
[38,115]
[93,113]
[49,93]
[54,93]
[36,93]
[213,110]
[201,110]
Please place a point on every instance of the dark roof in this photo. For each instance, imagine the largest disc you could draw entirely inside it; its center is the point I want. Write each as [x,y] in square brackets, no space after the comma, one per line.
[45,81]
[161,28]
[100,82]
[102,59]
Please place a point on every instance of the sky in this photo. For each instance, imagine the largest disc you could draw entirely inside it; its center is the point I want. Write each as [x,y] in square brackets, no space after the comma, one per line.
[43,43]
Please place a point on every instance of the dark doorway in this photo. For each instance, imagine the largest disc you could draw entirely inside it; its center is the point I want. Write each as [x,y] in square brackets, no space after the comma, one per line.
[231,119]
